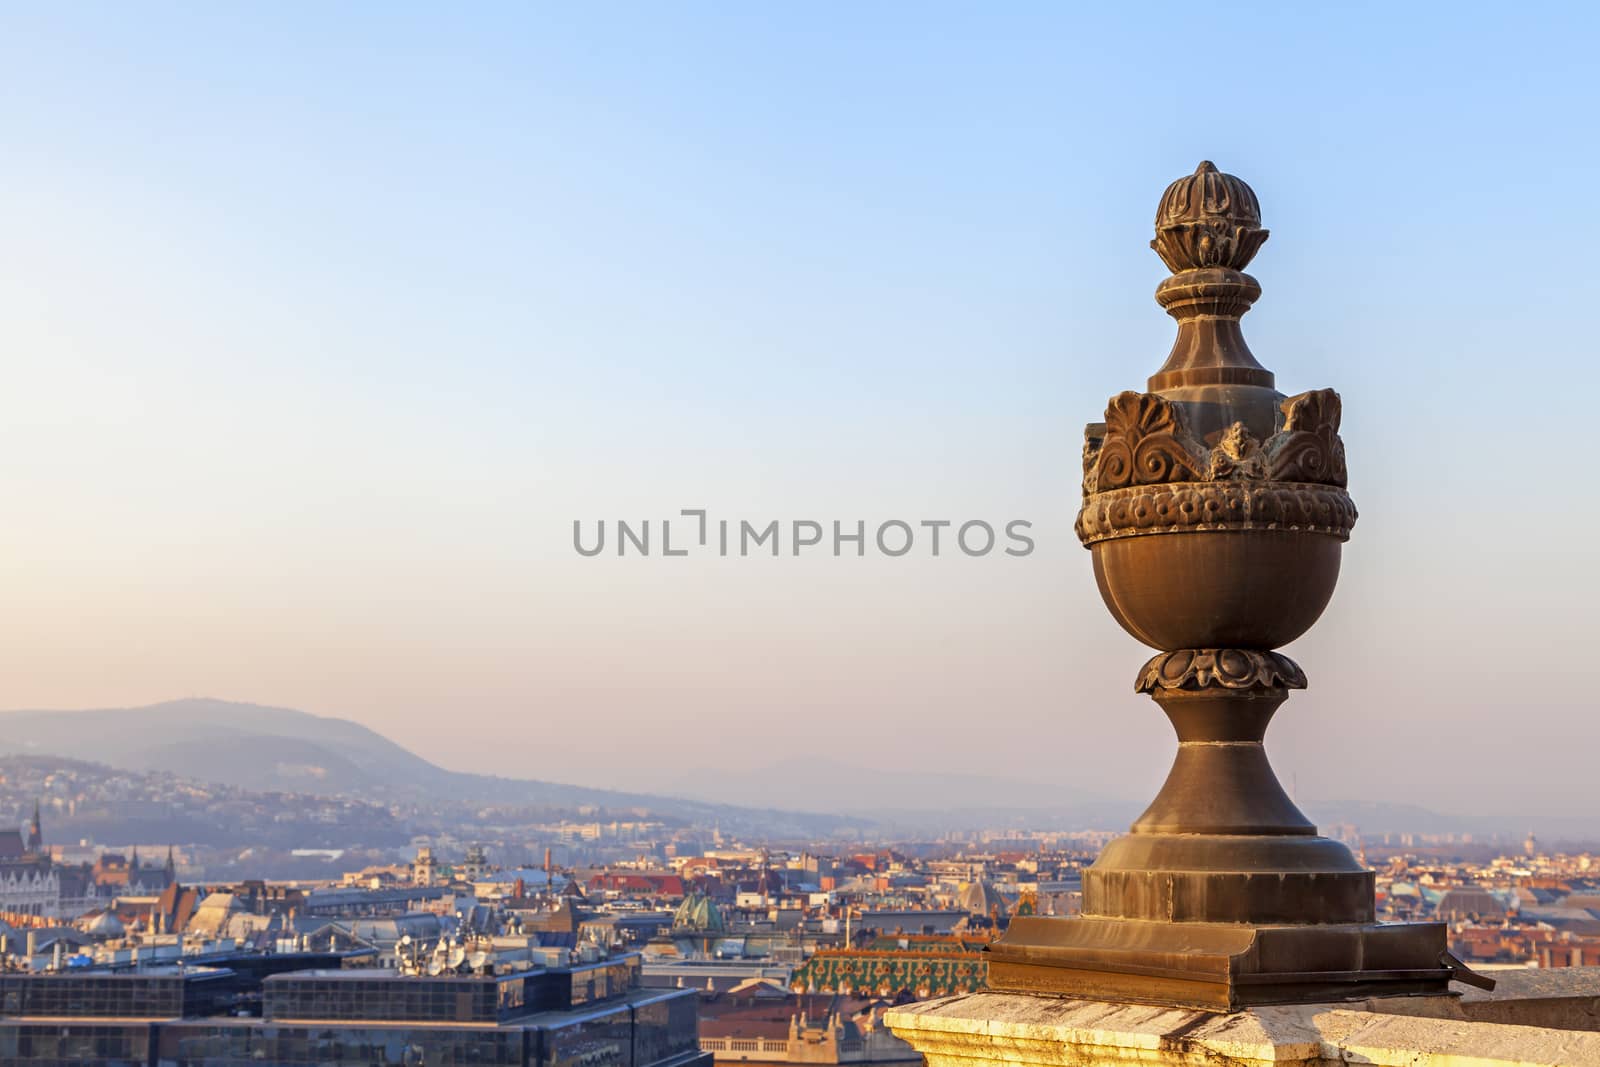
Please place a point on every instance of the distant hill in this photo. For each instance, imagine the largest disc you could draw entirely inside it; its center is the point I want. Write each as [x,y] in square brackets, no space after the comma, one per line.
[117,806]
[247,745]
[907,799]
[269,749]
[1380,817]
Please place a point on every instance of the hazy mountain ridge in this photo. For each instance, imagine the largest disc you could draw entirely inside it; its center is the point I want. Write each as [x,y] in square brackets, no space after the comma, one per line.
[117,807]
[821,783]
[237,743]
[269,749]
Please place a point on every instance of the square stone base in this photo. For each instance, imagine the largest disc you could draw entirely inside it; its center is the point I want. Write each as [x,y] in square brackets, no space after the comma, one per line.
[1218,966]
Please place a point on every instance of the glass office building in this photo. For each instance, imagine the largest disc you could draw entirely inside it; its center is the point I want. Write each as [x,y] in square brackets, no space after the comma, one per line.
[89,1043]
[593,1015]
[379,995]
[158,992]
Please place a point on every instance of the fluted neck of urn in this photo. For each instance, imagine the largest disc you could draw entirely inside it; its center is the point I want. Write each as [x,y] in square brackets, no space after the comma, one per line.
[1210,348]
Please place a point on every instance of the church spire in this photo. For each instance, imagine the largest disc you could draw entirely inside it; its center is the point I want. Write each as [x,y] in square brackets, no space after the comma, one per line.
[35,832]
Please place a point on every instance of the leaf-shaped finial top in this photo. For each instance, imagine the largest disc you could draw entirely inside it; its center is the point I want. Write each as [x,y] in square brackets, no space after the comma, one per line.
[1208,219]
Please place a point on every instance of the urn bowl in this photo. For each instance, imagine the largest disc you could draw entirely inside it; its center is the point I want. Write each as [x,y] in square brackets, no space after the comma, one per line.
[1250,588]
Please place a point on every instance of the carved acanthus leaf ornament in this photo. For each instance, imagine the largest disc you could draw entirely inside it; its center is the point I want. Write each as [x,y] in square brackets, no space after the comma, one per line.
[1308,448]
[1225,668]
[1145,443]
[1145,472]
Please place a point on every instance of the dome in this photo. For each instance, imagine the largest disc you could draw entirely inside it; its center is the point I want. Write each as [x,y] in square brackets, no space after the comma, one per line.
[980,898]
[1208,219]
[106,924]
[697,912]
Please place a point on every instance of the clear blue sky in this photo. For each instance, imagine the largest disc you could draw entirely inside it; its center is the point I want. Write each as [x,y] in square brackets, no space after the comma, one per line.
[319,324]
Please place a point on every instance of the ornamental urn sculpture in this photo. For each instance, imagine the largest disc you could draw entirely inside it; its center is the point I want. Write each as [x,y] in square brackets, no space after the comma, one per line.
[1215,509]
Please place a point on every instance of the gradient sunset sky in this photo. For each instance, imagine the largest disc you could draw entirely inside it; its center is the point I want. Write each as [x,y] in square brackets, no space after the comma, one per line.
[320,324]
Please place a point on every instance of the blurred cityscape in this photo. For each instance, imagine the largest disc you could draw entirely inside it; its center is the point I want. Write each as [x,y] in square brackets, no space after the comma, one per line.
[255,910]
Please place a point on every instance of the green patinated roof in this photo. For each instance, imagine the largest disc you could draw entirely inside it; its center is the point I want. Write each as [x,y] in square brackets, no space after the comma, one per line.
[697,912]
[924,973]
[941,943]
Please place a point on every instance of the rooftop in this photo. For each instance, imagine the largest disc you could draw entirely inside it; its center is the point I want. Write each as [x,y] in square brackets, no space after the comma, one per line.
[1532,1019]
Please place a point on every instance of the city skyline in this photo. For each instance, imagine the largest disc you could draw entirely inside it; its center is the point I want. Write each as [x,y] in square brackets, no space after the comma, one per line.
[320,329]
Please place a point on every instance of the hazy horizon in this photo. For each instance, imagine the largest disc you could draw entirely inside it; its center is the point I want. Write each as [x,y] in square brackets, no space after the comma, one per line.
[826,784]
[320,328]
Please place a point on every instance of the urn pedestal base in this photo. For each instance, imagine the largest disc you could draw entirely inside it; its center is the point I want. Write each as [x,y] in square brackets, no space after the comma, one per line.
[1223,896]
[1262,880]
[1219,967]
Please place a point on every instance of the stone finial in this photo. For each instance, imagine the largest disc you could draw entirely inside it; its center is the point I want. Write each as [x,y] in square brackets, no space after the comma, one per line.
[1216,511]
[1208,219]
